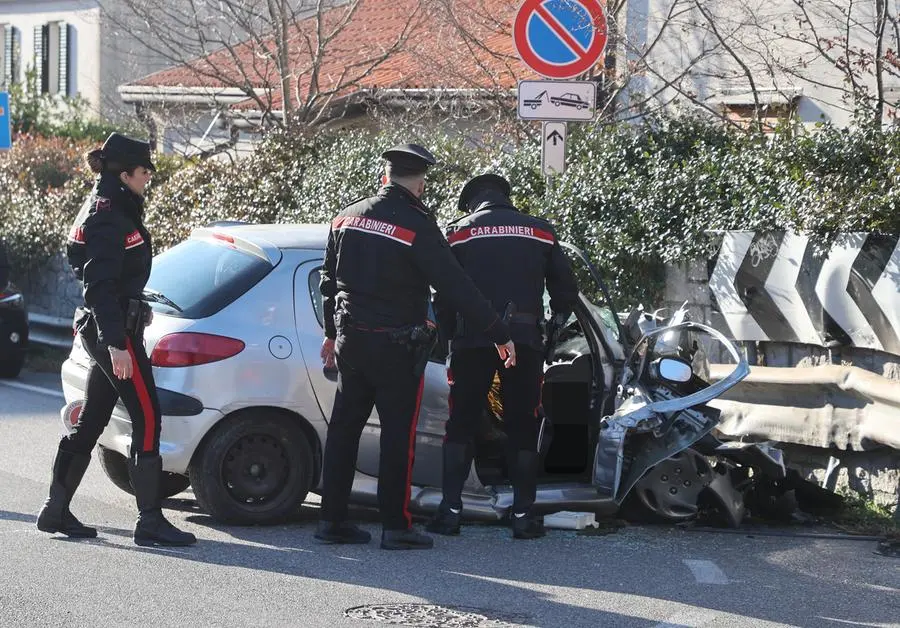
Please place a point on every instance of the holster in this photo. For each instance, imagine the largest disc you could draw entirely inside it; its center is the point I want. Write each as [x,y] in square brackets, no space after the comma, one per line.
[511,315]
[419,340]
[136,314]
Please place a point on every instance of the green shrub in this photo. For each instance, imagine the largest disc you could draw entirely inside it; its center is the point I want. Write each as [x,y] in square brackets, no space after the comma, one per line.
[42,187]
[634,197]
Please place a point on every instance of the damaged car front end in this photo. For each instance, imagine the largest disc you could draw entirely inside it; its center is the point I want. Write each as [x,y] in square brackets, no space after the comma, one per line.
[658,451]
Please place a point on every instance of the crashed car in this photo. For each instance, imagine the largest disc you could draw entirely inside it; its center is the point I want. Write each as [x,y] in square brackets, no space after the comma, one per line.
[234,344]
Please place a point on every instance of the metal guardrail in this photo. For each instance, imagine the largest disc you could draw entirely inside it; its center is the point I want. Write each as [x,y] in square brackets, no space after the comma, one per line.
[50,330]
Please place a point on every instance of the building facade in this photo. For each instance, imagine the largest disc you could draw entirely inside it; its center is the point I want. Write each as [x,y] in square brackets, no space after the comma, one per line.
[74,49]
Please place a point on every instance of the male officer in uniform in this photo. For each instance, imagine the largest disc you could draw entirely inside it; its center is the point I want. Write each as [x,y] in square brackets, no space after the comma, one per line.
[510,255]
[383,253]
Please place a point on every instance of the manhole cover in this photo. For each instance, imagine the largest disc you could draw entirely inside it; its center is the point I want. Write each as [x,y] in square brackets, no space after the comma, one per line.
[434,616]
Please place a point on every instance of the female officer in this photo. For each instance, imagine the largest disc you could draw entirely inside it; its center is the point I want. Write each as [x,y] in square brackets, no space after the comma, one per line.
[110,252]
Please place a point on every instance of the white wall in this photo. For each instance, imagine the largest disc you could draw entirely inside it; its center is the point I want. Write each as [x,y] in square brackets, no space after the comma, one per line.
[84,16]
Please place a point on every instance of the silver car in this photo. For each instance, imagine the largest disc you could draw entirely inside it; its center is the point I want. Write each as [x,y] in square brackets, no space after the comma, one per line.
[234,343]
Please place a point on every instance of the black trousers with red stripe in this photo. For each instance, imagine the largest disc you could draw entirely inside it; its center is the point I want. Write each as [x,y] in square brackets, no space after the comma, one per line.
[374,372]
[472,373]
[103,389]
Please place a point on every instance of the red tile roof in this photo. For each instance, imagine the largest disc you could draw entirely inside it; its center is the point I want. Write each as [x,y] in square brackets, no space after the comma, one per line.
[447,44]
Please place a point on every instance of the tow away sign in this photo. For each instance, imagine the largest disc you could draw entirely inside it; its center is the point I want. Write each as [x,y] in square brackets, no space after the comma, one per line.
[557,100]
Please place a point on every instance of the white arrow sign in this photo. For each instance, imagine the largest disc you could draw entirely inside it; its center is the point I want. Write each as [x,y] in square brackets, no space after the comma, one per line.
[557,100]
[553,148]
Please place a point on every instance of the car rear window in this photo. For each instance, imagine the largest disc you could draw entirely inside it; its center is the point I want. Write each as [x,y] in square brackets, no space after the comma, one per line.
[202,277]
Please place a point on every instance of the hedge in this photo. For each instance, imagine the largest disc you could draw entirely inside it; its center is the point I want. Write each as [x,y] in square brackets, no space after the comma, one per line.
[43,184]
[635,197]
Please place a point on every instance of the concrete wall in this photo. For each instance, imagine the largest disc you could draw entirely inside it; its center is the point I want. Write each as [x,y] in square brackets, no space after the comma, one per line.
[52,291]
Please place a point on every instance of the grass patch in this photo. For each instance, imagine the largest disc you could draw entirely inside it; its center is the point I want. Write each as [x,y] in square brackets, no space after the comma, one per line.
[44,359]
[860,516]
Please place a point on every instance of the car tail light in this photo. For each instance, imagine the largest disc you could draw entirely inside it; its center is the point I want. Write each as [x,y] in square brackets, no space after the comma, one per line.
[192,349]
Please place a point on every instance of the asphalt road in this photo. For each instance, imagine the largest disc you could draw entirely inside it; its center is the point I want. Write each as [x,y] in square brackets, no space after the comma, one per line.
[278,576]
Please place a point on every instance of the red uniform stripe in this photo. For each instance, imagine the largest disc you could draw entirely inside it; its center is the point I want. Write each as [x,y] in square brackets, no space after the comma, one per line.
[76,235]
[143,396]
[374,227]
[500,231]
[134,239]
[412,451]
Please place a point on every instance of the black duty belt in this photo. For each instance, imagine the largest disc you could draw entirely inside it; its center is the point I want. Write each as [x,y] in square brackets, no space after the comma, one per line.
[523,318]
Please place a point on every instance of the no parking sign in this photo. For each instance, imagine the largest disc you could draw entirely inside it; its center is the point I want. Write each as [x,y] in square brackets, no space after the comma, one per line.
[560,38]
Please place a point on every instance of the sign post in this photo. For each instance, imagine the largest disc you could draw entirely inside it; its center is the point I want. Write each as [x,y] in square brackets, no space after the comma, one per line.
[553,148]
[558,39]
[5,122]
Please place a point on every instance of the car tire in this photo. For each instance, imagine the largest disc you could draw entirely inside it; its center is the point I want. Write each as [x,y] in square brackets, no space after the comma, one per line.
[11,367]
[670,491]
[256,467]
[115,466]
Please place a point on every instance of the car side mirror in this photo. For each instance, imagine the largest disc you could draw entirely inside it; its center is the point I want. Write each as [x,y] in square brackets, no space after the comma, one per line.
[673,370]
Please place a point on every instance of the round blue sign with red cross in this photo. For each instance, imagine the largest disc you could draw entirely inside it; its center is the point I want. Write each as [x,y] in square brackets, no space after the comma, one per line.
[560,38]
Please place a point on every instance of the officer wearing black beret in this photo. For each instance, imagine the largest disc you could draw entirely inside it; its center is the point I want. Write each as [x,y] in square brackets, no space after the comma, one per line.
[111,253]
[383,253]
[510,256]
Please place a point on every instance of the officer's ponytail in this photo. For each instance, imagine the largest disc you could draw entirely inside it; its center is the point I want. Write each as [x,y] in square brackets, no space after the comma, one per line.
[95,160]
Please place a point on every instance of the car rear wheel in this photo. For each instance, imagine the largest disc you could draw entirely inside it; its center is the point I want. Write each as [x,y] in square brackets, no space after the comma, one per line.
[255,468]
[115,465]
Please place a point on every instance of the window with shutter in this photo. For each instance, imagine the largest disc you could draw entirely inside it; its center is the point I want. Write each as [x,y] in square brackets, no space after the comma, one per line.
[15,56]
[4,51]
[63,58]
[51,57]
[39,64]
[10,44]
[66,65]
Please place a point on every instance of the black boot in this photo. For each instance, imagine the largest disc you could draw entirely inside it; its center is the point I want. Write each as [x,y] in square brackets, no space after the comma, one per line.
[445,521]
[457,461]
[341,533]
[68,469]
[152,528]
[405,540]
[524,524]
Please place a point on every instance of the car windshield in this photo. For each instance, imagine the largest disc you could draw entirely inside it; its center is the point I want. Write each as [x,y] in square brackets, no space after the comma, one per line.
[203,277]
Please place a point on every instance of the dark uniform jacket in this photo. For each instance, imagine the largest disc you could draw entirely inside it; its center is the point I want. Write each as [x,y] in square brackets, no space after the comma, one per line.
[509,255]
[111,253]
[383,253]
